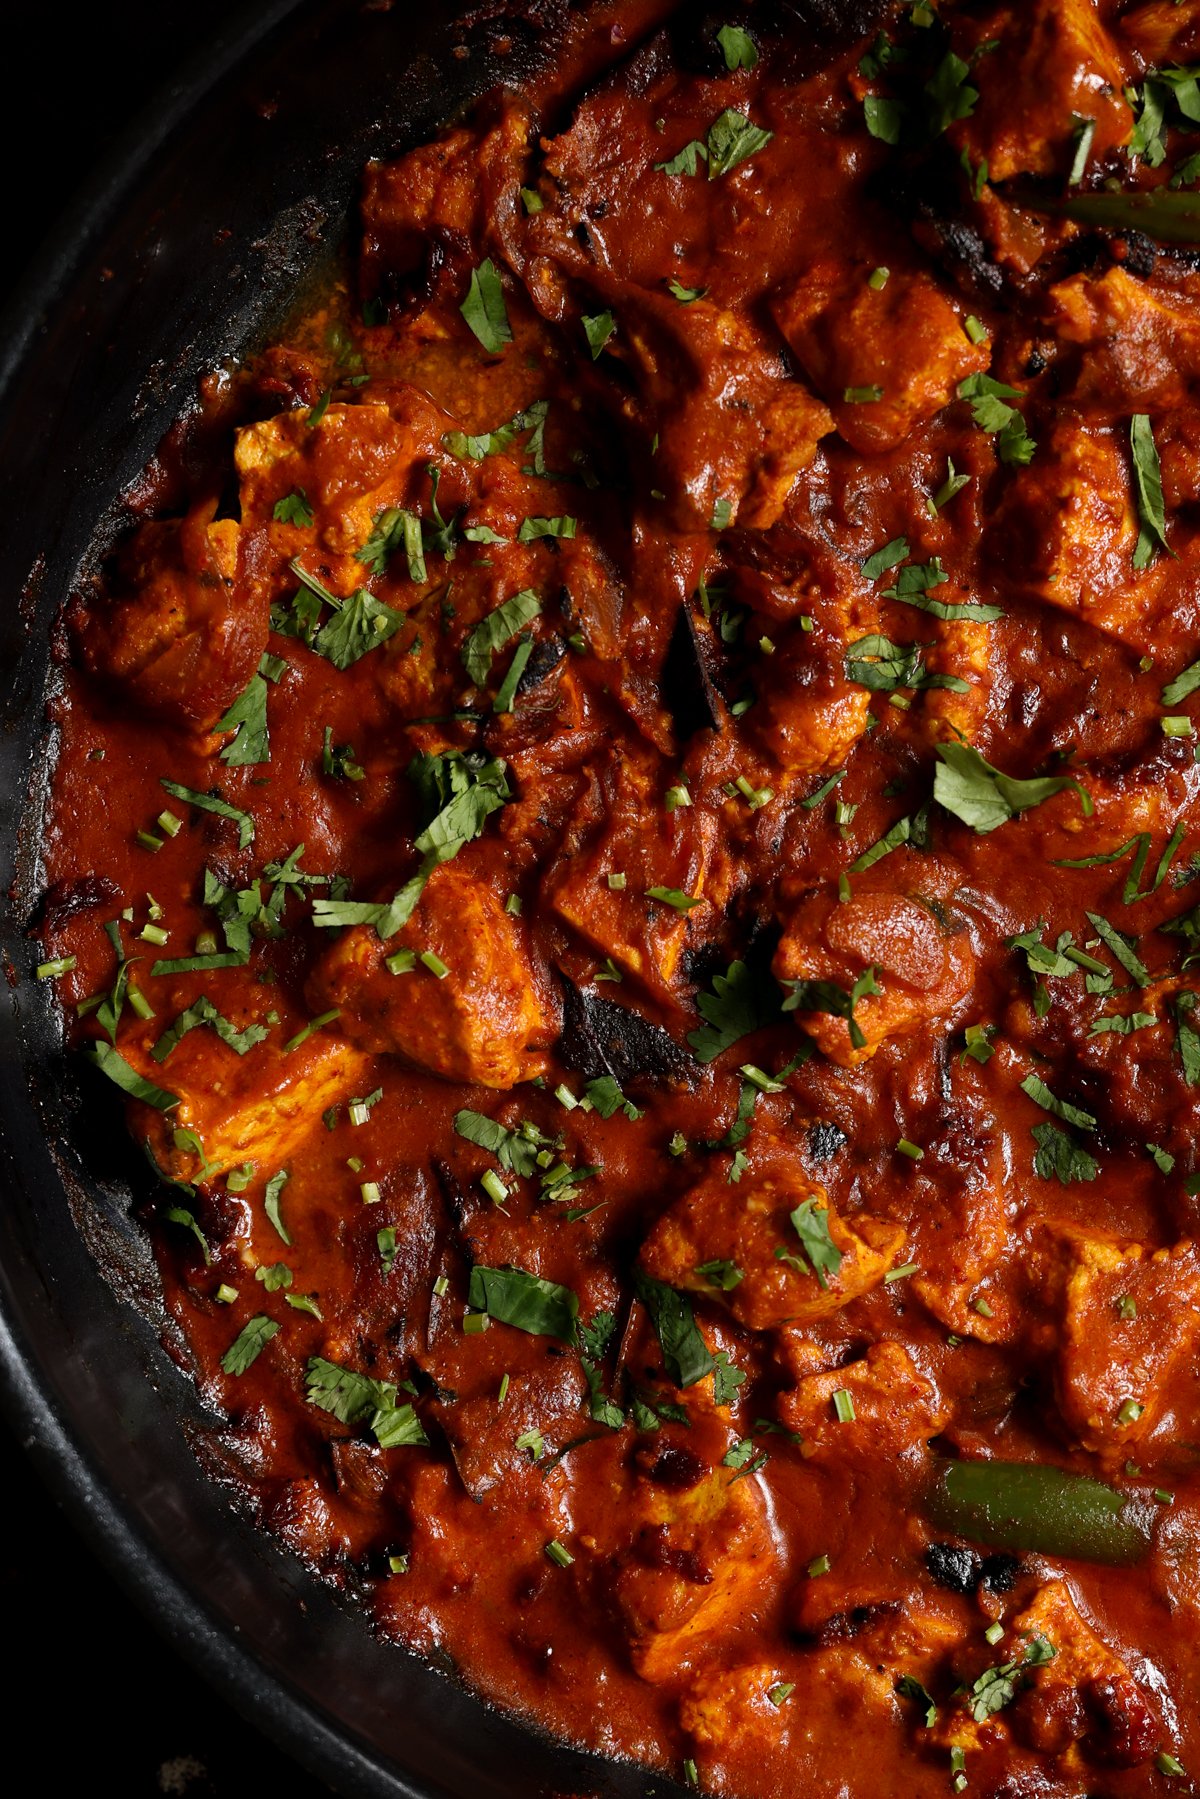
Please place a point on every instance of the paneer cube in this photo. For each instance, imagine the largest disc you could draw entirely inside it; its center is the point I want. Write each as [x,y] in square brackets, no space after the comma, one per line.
[1046,72]
[701,1549]
[478,1022]
[1130,1319]
[891,1408]
[885,360]
[256,1108]
[1141,343]
[749,1225]
[923,967]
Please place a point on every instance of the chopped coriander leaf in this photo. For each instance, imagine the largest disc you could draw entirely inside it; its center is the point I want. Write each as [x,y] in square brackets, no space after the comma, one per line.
[983,797]
[293,509]
[493,443]
[1084,132]
[358,1399]
[909,1687]
[1040,1094]
[361,624]
[726,1380]
[824,790]
[524,1301]
[724,1275]
[274,1276]
[884,118]
[339,762]
[1183,686]
[913,588]
[862,396]
[1121,949]
[685,162]
[835,1001]
[892,553]
[110,1062]
[271,1198]
[507,691]
[394,529]
[685,1354]
[494,631]
[249,1344]
[989,400]
[532,529]
[685,295]
[738,47]
[247,716]
[311,1028]
[605,1097]
[207,802]
[203,1012]
[812,1227]
[180,1215]
[952,485]
[732,139]
[1187,1037]
[484,309]
[1147,472]
[598,328]
[516,1151]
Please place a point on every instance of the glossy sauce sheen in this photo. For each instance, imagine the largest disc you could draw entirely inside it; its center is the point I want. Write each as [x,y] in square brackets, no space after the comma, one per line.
[744,1584]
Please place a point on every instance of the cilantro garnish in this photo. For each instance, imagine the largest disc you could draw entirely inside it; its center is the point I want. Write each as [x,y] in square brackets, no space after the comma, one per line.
[685,162]
[685,1354]
[812,1227]
[882,560]
[492,443]
[516,1151]
[249,1344]
[1059,1157]
[534,528]
[738,47]
[880,665]
[733,139]
[741,1002]
[271,1198]
[989,406]
[293,509]
[248,717]
[354,1398]
[207,802]
[110,1062]
[524,1301]
[203,1012]
[484,309]
[1147,474]
[495,630]
[1040,1094]
[598,328]
[835,1001]
[983,797]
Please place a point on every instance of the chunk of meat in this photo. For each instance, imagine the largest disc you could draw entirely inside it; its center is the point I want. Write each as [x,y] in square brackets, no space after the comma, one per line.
[700,1550]
[642,846]
[256,1108]
[1085,1696]
[961,1190]
[355,463]
[1046,72]
[1130,1319]
[184,630]
[924,966]
[905,340]
[1141,343]
[749,1224]
[733,432]
[1163,31]
[442,197]
[730,1710]
[479,1022]
[1068,523]
[811,716]
[895,1409]
[1155,1076]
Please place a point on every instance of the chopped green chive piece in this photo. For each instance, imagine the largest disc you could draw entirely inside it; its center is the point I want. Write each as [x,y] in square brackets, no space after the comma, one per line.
[402,962]
[154,933]
[475,1323]
[433,963]
[994,1632]
[912,1150]
[398,1564]
[1131,1410]
[878,279]
[862,396]
[226,1294]
[310,1029]
[675,797]
[565,1097]
[493,1186]
[616,883]
[149,841]
[1166,1763]
[1178,726]
[899,1274]
[560,1556]
[46,971]
[843,1405]
[371,1195]
[819,1565]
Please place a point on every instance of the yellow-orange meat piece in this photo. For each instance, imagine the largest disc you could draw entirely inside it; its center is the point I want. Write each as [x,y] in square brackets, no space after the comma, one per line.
[478,1022]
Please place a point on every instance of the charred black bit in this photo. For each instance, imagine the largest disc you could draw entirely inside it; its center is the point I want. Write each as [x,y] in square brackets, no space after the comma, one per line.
[600,1037]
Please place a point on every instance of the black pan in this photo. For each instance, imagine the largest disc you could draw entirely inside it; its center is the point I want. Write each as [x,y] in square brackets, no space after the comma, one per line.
[184,250]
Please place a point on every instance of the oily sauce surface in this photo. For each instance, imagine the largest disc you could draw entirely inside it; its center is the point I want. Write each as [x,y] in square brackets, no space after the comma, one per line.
[625,818]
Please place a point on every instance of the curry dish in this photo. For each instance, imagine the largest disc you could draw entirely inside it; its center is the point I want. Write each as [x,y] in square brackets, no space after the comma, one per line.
[627,821]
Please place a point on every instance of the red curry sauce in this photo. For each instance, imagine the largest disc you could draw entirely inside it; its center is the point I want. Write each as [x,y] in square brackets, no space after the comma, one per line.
[662,984]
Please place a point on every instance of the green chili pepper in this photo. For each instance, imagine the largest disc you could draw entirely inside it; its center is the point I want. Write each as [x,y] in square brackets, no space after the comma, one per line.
[1171,218]
[1022,1505]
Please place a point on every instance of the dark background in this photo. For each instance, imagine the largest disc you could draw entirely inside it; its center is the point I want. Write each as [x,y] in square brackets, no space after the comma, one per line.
[89,1680]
